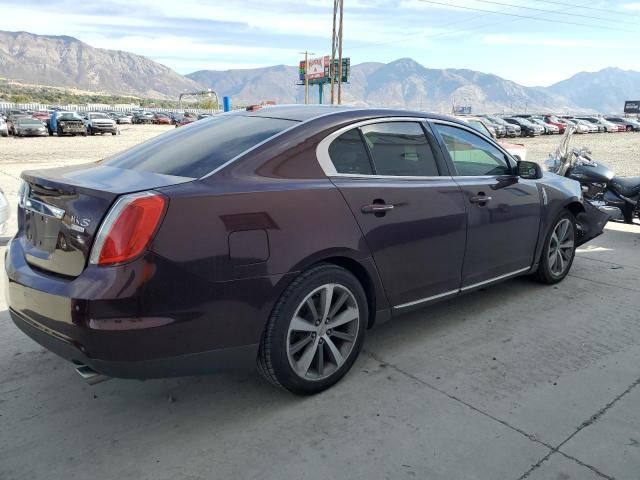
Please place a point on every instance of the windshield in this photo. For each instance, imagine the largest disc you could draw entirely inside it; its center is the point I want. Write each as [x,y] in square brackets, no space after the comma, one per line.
[201,147]
[29,121]
[99,115]
[479,126]
[499,121]
[69,116]
[524,122]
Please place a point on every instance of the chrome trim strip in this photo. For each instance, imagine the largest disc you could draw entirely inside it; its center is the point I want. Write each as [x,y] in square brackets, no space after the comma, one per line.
[460,290]
[495,279]
[389,177]
[428,299]
[41,208]
[322,150]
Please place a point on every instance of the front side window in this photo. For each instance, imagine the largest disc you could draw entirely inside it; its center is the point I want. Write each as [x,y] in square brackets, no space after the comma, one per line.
[400,149]
[471,155]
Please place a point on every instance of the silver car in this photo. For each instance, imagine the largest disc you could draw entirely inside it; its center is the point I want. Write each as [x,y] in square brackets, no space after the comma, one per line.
[4,130]
[29,127]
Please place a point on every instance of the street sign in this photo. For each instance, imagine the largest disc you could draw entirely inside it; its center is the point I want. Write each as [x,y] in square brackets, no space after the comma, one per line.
[462,110]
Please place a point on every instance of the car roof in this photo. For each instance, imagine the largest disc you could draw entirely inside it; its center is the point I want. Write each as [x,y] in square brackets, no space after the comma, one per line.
[303,113]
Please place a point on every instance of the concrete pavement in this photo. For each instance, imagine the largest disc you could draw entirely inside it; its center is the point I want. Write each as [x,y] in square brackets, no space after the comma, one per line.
[515,381]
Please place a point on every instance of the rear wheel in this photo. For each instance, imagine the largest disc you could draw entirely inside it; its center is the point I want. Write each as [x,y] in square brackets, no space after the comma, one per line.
[315,332]
[558,251]
[629,128]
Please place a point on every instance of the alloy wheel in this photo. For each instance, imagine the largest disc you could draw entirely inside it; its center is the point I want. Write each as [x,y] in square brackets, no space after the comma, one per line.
[561,246]
[323,332]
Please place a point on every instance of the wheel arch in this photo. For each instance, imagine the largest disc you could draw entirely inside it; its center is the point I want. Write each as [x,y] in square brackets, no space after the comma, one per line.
[363,276]
[360,266]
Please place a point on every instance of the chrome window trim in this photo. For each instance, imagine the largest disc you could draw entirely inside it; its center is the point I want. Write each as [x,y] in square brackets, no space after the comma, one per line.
[322,150]
[475,132]
[460,290]
[296,124]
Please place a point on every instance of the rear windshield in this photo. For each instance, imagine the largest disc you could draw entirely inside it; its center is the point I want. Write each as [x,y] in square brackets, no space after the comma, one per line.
[29,121]
[201,147]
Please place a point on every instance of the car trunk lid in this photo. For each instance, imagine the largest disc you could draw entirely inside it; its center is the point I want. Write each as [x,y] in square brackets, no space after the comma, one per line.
[62,209]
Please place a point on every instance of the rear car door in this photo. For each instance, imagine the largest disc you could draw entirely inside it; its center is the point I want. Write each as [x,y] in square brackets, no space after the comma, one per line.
[503,210]
[410,211]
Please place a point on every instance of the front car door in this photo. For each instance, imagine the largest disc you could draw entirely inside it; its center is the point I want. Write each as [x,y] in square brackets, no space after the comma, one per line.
[410,211]
[503,210]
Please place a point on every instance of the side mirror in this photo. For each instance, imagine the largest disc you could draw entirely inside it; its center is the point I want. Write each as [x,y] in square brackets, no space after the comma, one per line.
[529,170]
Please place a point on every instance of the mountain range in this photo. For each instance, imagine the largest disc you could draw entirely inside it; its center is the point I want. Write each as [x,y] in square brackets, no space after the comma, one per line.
[68,62]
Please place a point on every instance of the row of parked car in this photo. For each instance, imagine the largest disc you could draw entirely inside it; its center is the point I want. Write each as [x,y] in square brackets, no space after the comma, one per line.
[23,123]
[528,125]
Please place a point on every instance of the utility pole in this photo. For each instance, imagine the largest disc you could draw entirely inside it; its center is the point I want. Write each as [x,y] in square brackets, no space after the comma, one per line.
[340,57]
[336,47]
[306,78]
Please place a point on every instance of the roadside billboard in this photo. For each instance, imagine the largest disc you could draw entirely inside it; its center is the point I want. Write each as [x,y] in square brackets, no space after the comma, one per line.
[317,67]
[632,106]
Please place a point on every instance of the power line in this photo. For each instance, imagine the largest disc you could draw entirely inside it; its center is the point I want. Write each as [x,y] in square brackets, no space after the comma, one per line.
[466,30]
[556,12]
[586,7]
[529,17]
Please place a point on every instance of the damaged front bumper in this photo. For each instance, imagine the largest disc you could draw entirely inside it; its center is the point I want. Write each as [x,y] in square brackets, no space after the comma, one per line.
[591,222]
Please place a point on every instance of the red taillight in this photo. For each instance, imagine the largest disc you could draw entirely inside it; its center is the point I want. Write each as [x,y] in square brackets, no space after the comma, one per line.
[128,228]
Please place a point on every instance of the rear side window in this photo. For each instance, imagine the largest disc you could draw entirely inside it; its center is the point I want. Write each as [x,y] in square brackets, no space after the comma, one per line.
[201,147]
[349,154]
[400,149]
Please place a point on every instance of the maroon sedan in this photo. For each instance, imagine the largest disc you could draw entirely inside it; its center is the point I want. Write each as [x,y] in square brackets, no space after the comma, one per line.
[161,119]
[277,236]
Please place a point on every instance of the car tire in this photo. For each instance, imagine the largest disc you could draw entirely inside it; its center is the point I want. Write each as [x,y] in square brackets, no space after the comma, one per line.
[300,351]
[113,133]
[629,128]
[59,131]
[556,260]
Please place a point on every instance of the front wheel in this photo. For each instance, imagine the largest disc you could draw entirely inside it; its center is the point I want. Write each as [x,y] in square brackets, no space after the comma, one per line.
[315,331]
[559,250]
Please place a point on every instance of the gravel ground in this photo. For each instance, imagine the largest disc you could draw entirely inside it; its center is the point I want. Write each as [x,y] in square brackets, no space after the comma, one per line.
[619,151]
[510,382]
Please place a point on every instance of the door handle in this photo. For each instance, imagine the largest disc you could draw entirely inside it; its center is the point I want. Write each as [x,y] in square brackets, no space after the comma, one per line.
[480,198]
[377,208]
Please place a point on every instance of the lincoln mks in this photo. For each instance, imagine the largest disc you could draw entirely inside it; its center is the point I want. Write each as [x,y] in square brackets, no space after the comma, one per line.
[277,237]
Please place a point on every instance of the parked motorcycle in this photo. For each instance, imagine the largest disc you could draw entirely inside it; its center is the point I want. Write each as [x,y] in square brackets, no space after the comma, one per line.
[600,185]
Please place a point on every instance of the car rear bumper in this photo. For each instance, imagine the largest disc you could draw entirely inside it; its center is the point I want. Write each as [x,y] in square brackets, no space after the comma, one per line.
[242,357]
[139,320]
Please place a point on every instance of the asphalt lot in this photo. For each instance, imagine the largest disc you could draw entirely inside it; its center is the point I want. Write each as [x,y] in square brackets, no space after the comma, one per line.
[516,381]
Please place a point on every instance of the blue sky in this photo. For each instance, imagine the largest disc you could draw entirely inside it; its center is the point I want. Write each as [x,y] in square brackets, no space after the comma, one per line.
[189,35]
